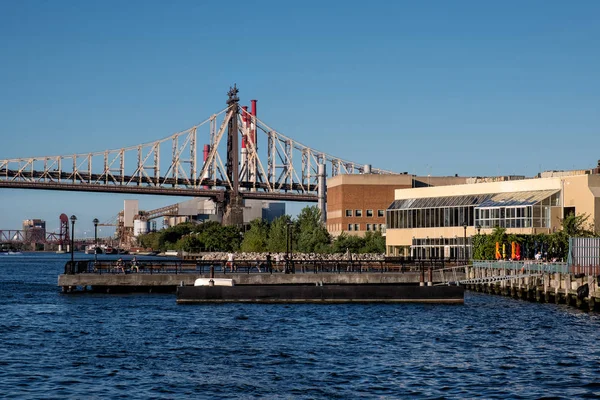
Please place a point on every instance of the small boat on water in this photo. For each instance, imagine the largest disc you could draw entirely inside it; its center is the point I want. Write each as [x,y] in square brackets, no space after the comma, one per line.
[10,252]
[114,250]
[91,249]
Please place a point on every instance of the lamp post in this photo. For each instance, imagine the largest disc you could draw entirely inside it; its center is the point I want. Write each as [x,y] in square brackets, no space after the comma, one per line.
[478,229]
[465,241]
[73,219]
[288,245]
[292,248]
[95,221]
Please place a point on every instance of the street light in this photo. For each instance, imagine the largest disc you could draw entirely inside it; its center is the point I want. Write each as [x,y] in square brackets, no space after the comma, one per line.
[73,219]
[95,221]
[465,241]
[288,248]
[478,229]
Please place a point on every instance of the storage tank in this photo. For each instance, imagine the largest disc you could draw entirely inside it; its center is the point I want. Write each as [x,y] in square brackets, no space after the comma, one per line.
[140,227]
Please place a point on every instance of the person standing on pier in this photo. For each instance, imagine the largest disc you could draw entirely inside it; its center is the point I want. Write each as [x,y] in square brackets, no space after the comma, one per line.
[269,264]
[230,261]
[277,262]
[349,259]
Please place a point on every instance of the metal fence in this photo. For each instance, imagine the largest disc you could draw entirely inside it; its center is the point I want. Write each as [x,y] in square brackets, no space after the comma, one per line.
[525,266]
[584,252]
[249,266]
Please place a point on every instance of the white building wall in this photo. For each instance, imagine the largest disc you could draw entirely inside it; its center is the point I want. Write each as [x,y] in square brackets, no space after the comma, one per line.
[131,208]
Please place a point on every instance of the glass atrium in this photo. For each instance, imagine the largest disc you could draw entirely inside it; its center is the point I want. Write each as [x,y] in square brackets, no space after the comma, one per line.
[529,209]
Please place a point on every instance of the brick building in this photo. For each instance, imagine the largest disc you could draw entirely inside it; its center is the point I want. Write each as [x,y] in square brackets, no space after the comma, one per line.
[356,204]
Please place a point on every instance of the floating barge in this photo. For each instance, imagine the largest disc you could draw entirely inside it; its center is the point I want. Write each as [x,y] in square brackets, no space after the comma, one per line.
[318,293]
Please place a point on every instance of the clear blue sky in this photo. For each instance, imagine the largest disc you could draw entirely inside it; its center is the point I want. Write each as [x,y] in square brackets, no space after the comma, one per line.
[429,87]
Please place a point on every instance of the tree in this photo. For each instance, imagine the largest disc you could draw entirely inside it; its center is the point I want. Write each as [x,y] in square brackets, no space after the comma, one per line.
[374,243]
[277,239]
[190,243]
[255,238]
[345,242]
[220,238]
[167,238]
[484,246]
[149,240]
[578,225]
[310,232]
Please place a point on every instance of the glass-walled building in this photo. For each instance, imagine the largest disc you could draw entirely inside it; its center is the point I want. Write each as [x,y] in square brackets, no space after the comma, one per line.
[514,210]
[439,221]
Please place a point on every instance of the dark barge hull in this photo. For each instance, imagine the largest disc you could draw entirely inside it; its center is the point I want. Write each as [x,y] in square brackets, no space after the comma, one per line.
[320,294]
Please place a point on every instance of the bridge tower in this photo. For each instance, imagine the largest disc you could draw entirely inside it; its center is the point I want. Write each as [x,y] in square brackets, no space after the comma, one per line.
[233,203]
[64,237]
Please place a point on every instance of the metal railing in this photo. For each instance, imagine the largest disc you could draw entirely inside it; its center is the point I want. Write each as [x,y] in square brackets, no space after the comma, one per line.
[124,267]
[248,266]
[529,267]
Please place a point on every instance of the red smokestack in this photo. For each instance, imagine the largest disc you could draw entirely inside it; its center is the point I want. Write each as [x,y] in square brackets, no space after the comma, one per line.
[253,103]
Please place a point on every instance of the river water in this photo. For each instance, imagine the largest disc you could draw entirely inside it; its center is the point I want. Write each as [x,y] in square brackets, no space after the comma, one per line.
[146,346]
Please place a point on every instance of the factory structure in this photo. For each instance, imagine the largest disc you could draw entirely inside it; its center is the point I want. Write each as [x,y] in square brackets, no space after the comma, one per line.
[133,221]
[34,231]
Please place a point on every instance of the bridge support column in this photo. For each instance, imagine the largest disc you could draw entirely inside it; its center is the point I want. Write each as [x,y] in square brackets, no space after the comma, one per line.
[234,211]
[234,204]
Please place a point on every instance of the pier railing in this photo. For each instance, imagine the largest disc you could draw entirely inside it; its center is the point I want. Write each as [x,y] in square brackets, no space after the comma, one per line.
[304,266]
[525,266]
[248,266]
[124,267]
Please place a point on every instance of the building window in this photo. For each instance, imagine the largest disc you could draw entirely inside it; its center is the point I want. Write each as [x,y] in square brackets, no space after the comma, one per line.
[356,227]
[382,227]
[350,227]
[368,227]
[380,213]
[348,213]
[370,213]
[358,213]
[506,217]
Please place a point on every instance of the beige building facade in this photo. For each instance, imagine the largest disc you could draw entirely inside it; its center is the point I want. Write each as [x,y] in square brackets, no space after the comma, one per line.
[439,221]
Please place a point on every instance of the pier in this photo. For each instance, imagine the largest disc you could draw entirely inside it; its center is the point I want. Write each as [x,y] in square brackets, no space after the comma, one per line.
[537,281]
[337,279]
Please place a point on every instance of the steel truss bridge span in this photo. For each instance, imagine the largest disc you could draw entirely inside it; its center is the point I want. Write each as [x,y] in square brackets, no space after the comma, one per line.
[290,193]
[267,165]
